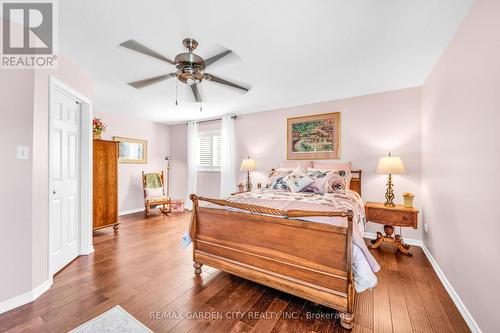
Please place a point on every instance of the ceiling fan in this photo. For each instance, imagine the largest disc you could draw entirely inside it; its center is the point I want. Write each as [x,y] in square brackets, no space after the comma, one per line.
[190,67]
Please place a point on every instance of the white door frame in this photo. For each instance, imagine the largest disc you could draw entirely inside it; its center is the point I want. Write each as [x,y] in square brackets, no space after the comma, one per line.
[85,168]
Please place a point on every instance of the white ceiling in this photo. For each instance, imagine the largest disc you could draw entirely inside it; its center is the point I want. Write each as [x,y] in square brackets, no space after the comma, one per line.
[290,52]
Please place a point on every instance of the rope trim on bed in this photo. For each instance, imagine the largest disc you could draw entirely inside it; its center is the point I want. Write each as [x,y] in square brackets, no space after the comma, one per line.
[270,211]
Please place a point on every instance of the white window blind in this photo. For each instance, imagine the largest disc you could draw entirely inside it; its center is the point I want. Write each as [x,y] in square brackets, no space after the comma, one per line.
[210,150]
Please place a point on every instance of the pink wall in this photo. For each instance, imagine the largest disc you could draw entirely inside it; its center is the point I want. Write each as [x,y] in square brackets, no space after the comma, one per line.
[130,192]
[372,126]
[16,128]
[461,141]
[24,195]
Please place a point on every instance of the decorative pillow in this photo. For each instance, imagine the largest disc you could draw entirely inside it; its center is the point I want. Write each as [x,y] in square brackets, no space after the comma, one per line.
[276,179]
[327,181]
[297,180]
[154,192]
[296,164]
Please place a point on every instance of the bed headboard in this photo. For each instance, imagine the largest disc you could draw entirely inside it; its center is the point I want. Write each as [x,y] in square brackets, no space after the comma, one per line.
[356,181]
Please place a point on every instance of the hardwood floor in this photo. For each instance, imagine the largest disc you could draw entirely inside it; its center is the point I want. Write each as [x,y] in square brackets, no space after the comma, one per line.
[143,268]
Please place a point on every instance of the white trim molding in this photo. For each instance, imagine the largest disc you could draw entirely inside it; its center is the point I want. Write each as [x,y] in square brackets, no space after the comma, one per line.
[25,298]
[130,211]
[473,326]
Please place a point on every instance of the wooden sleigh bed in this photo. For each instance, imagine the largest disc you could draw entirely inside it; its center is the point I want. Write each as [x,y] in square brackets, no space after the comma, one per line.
[308,260]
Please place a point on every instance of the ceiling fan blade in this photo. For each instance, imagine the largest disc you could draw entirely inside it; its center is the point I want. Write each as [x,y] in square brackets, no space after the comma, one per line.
[216,79]
[216,57]
[138,47]
[149,81]
[196,92]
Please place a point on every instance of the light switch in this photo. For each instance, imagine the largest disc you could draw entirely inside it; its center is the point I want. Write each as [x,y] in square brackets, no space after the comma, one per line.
[23,152]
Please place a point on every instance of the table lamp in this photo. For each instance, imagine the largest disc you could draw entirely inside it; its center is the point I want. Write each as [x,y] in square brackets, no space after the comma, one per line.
[248,165]
[390,165]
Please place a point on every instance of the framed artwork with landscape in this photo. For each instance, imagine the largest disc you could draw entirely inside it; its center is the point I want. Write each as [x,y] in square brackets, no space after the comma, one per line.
[315,137]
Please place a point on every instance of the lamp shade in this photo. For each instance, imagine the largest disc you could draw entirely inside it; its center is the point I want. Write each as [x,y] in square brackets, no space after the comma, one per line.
[247,165]
[390,164]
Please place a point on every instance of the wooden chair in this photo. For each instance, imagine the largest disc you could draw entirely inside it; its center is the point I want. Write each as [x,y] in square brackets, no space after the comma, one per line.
[158,199]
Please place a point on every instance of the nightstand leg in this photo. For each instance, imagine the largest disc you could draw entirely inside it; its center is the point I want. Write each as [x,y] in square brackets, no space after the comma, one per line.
[402,247]
[376,242]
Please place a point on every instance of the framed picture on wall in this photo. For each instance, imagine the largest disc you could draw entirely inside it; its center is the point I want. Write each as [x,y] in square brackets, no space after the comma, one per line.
[132,151]
[314,137]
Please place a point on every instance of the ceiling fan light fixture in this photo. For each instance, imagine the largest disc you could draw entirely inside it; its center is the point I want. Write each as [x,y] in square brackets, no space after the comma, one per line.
[190,68]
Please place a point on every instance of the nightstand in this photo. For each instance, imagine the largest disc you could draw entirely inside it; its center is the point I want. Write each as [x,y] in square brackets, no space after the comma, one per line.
[390,217]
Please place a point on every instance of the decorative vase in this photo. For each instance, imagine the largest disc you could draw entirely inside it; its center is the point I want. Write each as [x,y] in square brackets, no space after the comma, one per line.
[98,127]
[408,202]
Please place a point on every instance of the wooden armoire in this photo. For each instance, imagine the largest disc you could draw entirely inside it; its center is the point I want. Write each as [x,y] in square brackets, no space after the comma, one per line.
[105,184]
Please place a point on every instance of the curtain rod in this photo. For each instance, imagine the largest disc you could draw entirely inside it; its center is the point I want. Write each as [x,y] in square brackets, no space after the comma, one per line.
[212,120]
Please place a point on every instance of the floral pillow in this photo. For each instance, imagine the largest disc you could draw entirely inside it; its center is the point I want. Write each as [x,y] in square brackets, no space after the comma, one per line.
[297,180]
[276,181]
[326,181]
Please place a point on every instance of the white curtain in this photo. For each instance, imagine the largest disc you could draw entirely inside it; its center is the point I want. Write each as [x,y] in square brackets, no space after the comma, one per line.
[227,168]
[192,161]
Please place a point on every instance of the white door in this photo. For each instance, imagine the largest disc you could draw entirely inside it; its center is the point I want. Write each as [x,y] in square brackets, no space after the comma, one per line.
[64,203]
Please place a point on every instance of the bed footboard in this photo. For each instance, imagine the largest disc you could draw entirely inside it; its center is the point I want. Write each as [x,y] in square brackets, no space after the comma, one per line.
[309,260]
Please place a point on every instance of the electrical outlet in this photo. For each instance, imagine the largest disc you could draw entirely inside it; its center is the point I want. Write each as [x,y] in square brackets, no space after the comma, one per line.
[23,152]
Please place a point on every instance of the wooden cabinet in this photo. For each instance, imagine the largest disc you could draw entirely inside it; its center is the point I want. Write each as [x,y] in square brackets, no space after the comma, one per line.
[105,184]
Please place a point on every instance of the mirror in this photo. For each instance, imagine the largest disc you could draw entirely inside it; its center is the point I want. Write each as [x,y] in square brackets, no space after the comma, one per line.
[133,151]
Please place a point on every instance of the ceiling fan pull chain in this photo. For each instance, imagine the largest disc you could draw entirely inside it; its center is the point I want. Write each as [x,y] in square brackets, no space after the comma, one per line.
[176,103]
[201,93]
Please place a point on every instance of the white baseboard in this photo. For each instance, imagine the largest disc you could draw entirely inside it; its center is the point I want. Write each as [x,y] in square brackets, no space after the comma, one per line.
[130,211]
[25,298]
[453,294]
[32,295]
[473,326]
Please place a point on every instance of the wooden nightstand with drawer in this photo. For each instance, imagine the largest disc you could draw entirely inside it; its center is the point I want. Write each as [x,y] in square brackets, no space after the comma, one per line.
[390,217]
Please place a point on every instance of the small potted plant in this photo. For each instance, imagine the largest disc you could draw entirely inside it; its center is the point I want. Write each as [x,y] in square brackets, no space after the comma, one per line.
[98,128]
[241,187]
[408,199]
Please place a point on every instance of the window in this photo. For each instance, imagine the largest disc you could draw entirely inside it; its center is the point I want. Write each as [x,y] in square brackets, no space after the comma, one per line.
[210,151]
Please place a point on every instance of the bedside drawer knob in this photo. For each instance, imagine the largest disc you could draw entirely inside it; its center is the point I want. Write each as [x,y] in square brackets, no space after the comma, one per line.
[405,218]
